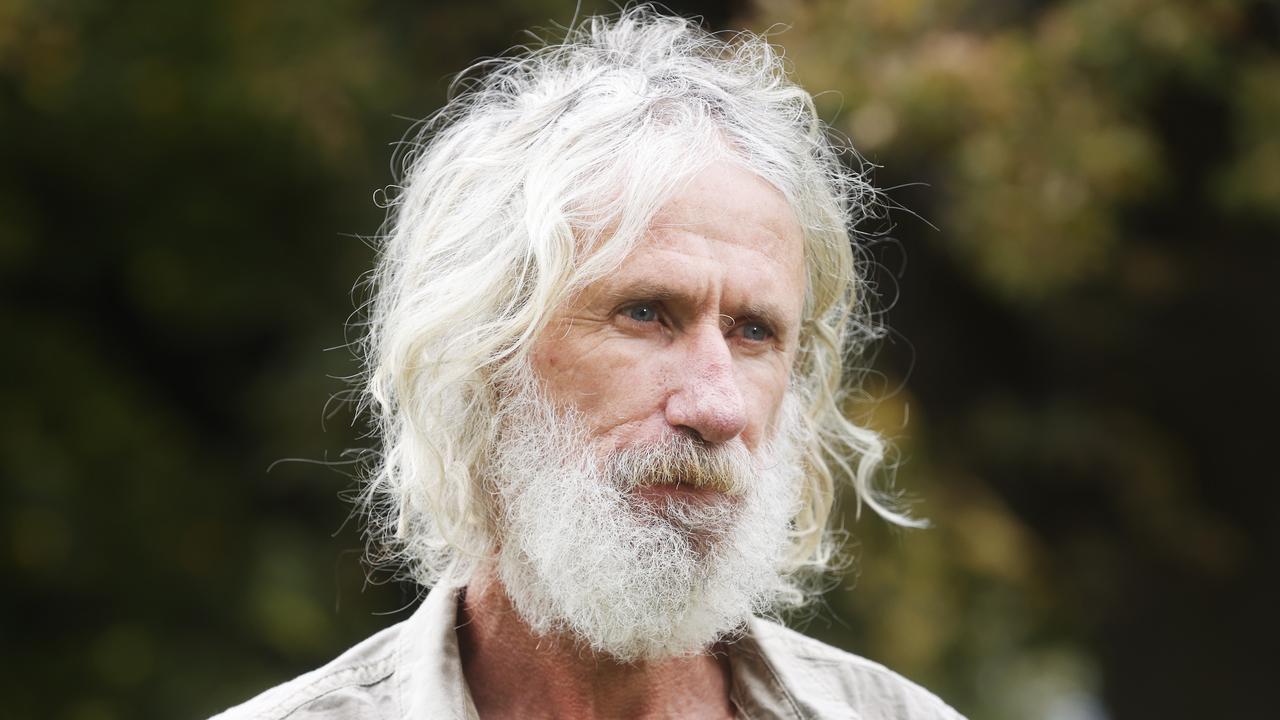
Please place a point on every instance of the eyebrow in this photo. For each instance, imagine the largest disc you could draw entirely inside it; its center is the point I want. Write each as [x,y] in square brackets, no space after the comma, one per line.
[766,313]
[642,290]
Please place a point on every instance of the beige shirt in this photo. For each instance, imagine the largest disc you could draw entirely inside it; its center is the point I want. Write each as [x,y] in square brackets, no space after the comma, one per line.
[413,670]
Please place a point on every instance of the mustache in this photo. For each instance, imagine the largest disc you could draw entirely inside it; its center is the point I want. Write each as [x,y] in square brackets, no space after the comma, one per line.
[682,460]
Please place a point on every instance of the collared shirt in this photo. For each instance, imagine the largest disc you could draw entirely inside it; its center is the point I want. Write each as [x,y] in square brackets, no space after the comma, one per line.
[413,670]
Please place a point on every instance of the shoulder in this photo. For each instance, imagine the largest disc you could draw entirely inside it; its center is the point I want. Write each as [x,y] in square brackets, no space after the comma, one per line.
[356,684]
[833,683]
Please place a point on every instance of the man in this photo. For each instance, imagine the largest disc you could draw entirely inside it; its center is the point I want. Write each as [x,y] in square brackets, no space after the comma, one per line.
[606,351]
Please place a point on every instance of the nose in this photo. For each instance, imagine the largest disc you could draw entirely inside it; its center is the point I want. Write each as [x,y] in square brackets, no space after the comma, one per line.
[707,401]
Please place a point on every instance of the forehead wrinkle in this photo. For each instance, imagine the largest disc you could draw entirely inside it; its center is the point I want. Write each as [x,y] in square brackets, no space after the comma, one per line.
[758,238]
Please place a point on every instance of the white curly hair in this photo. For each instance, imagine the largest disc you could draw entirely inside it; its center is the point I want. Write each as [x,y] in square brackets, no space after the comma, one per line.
[539,176]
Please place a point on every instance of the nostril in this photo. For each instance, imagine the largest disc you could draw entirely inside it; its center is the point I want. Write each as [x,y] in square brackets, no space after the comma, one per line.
[692,434]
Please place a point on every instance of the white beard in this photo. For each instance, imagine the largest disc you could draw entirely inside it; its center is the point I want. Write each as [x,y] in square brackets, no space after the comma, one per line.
[583,558]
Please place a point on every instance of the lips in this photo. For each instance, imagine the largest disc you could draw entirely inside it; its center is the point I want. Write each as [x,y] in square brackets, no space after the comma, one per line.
[661,496]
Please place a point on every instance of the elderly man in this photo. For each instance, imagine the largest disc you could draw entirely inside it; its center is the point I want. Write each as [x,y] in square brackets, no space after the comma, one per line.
[605,352]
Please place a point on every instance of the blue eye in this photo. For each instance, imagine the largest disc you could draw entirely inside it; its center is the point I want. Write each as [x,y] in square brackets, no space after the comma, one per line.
[756,332]
[642,313]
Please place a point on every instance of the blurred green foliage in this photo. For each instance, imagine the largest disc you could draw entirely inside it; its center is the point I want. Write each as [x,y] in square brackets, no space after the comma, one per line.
[1080,382]
[1091,381]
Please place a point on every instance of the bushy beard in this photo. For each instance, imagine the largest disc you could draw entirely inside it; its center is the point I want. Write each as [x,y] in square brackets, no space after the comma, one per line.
[583,557]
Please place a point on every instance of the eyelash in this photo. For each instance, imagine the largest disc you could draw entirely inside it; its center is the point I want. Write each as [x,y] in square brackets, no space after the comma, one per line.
[655,309]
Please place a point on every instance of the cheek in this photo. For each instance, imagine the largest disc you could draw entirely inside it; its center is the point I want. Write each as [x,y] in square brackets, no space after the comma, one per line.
[604,381]
[766,388]
[562,373]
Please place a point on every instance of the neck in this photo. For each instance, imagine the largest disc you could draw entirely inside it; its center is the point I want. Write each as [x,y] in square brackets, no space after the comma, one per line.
[514,673]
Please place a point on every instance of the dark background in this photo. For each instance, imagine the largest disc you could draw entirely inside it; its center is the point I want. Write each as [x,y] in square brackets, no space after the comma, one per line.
[1080,382]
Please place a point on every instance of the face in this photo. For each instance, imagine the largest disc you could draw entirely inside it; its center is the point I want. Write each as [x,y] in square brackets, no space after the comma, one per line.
[696,332]
[665,382]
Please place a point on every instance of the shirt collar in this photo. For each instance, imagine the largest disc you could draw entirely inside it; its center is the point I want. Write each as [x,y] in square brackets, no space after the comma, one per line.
[431,682]
[430,666]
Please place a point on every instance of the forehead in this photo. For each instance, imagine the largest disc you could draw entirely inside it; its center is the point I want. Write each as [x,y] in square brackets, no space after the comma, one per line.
[731,206]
